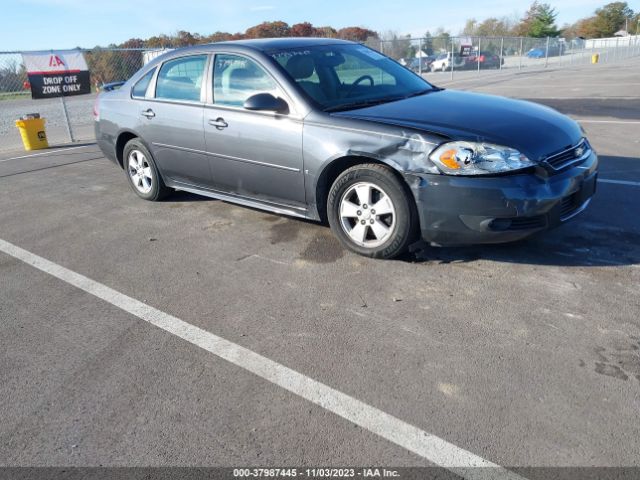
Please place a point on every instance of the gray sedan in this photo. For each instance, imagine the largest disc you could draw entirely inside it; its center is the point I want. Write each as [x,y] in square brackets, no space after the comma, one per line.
[331,130]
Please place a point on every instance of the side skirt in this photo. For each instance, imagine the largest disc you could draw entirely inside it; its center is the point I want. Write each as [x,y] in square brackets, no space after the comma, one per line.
[244,201]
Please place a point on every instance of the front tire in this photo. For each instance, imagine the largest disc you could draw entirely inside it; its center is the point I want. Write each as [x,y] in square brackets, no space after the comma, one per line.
[142,173]
[371,212]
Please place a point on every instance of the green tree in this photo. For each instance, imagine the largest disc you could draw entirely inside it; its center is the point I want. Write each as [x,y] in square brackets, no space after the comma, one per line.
[539,21]
[605,22]
[611,18]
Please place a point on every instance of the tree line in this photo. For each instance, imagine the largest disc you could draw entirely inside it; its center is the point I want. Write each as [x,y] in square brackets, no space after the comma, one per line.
[539,21]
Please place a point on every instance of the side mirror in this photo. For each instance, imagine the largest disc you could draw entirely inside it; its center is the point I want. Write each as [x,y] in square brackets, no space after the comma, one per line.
[265,102]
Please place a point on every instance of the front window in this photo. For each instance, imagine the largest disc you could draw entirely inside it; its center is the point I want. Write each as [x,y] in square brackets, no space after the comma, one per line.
[341,77]
[236,78]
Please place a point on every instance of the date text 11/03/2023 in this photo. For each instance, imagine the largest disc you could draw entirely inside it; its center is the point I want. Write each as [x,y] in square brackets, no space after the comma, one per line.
[315,472]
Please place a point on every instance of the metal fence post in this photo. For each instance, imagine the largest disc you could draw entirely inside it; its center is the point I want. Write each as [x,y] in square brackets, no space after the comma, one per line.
[546,55]
[520,55]
[451,58]
[571,57]
[420,56]
[66,118]
[501,52]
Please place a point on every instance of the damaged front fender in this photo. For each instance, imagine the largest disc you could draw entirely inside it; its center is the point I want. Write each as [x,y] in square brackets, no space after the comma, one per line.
[406,151]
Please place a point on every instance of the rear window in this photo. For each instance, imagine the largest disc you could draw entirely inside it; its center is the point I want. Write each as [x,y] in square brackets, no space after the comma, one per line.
[181,79]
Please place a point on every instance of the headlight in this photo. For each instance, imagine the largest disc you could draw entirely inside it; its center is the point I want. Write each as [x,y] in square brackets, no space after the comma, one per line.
[471,158]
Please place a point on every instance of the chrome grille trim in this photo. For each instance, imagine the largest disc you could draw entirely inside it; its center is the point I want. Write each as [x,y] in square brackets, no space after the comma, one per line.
[565,158]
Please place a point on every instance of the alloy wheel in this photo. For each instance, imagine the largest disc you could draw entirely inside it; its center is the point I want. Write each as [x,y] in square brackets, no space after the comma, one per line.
[367,214]
[140,171]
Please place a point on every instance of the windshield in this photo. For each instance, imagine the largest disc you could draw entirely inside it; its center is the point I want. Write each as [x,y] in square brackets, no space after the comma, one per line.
[341,77]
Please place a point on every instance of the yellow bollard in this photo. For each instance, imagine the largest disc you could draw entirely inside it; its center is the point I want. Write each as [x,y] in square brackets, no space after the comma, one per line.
[595,57]
[32,132]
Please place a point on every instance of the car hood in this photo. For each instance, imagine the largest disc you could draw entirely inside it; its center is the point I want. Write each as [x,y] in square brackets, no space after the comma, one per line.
[533,129]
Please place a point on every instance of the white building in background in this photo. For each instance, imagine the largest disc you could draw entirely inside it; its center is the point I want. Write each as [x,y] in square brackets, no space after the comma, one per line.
[612,42]
[149,55]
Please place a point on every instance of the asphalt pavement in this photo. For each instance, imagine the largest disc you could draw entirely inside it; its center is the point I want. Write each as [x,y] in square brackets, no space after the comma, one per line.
[522,355]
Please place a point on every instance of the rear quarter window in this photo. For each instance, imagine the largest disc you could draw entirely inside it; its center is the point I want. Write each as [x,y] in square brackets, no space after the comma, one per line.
[139,90]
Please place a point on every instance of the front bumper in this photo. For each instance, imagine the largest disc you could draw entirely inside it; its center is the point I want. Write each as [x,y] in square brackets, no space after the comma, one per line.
[471,210]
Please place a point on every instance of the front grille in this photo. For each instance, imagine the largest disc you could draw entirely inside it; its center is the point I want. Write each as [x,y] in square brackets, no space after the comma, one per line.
[528,223]
[571,156]
[569,204]
[518,223]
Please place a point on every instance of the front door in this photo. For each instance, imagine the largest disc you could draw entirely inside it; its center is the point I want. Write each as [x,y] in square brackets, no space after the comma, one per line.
[257,155]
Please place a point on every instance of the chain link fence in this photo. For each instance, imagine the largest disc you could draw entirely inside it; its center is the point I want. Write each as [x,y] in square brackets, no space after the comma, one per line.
[461,55]
[436,58]
[76,124]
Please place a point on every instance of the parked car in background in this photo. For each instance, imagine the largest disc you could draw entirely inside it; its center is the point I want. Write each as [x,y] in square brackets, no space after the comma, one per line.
[415,64]
[442,62]
[484,59]
[536,53]
[541,52]
[330,130]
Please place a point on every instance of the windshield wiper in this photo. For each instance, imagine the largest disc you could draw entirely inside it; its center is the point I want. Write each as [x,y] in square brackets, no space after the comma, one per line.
[424,92]
[378,101]
[361,104]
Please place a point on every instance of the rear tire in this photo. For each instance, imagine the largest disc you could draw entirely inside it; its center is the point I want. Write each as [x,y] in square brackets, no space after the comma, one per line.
[142,173]
[351,209]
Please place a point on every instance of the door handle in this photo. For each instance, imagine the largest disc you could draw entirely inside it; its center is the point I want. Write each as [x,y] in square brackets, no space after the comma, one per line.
[219,123]
[148,113]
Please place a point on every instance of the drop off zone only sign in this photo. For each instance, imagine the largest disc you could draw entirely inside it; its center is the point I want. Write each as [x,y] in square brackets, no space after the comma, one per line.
[60,73]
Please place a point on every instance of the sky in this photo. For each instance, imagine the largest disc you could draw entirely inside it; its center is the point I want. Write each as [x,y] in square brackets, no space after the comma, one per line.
[59,24]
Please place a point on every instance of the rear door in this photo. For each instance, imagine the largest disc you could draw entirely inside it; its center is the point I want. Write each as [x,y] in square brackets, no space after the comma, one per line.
[257,155]
[171,120]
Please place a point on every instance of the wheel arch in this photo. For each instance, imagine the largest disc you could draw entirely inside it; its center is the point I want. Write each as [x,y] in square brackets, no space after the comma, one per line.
[332,170]
[123,138]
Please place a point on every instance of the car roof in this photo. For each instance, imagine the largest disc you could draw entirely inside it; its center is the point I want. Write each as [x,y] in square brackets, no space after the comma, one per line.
[266,44]
[270,44]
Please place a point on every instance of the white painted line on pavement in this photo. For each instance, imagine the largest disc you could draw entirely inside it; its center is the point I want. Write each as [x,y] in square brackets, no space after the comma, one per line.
[428,446]
[48,152]
[619,182]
